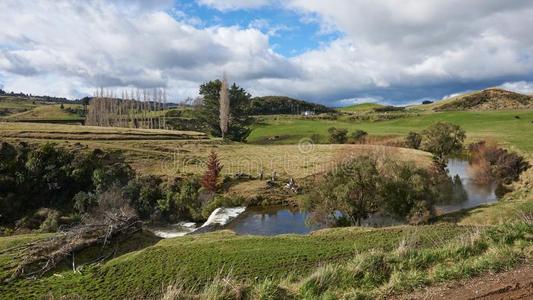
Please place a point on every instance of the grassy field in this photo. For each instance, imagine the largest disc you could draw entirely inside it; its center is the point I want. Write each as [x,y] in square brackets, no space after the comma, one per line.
[388,260]
[502,126]
[197,259]
[162,152]
[47,112]
[7,102]
[17,109]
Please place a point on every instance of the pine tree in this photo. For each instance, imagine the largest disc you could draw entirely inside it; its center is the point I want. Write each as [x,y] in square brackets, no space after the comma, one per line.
[214,167]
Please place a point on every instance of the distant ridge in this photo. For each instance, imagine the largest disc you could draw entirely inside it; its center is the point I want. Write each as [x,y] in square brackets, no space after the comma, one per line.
[360,107]
[273,105]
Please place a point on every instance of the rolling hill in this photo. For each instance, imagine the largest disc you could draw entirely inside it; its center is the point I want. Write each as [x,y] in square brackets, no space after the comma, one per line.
[489,99]
[361,107]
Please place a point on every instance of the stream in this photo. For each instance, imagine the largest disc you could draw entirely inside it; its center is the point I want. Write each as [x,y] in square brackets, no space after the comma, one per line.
[277,220]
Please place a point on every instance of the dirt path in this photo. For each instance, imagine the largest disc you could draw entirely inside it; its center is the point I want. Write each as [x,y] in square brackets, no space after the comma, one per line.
[516,284]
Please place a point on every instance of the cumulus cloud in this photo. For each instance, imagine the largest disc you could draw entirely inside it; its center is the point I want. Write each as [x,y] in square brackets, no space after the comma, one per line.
[523,87]
[103,44]
[394,50]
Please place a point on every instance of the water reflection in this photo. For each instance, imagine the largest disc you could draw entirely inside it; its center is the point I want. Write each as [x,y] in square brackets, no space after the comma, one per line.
[272,221]
[463,192]
[466,192]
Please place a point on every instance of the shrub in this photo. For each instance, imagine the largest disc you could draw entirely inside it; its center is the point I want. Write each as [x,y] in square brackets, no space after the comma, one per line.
[413,140]
[51,223]
[83,202]
[143,194]
[358,135]
[491,163]
[352,191]
[337,136]
[210,178]
[315,138]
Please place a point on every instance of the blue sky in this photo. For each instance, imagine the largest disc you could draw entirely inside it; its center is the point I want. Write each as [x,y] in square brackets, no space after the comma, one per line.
[335,52]
[290,33]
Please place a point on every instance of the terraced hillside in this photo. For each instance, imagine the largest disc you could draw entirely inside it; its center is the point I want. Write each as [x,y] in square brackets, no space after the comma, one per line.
[165,152]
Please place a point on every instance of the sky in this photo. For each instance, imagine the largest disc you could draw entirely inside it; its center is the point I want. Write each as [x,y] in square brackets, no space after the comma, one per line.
[335,52]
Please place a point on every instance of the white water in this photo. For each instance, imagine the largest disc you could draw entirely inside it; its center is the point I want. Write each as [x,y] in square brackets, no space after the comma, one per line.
[174,230]
[223,216]
[220,216]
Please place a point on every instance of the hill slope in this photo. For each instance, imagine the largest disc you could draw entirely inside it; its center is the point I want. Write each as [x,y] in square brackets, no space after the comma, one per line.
[274,105]
[361,107]
[489,99]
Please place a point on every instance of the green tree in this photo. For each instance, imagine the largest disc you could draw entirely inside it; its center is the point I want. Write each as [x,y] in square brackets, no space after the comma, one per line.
[239,120]
[358,135]
[443,139]
[347,193]
[407,192]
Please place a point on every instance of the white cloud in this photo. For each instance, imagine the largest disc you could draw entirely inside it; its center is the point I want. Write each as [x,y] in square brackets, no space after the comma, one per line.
[523,87]
[388,48]
[102,44]
[235,4]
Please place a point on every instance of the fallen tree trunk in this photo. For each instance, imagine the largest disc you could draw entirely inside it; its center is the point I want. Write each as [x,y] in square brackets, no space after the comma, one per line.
[43,256]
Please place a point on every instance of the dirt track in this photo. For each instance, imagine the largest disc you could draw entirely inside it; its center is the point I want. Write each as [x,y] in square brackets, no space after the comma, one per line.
[516,284]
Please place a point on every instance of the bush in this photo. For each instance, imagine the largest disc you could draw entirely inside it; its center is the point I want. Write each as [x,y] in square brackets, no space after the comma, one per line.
[491,163]
[315,138]
[51,223]
[337,136]
[143,194]
[358,135]
[181,201]
[353,191]
[413,140]
[83,202]
[50,176]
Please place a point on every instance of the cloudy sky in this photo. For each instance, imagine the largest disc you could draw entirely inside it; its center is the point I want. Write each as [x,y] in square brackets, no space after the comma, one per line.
[334,52]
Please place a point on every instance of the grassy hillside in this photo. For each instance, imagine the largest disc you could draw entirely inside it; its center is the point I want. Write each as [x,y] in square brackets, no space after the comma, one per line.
[484,100]
[362,107]
[504,126]
[489,99]
[162,152]
[48,112]
[196,259]
[343,262]
[11,105]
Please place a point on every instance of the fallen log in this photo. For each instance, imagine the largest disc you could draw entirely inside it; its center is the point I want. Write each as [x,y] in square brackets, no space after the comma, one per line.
[41,257]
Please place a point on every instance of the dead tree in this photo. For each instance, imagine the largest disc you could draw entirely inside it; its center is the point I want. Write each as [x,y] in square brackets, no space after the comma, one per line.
[113,218]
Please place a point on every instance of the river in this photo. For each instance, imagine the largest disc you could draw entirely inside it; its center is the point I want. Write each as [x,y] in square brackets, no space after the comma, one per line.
[282,220]
[277,220]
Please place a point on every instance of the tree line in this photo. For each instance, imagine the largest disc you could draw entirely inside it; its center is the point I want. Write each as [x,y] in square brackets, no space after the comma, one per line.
[136,109]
